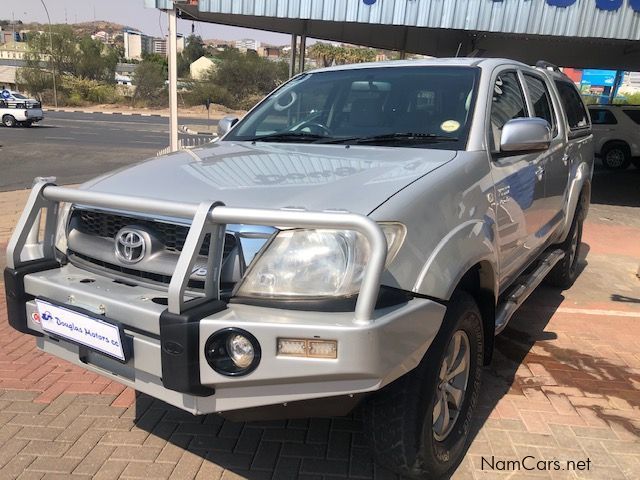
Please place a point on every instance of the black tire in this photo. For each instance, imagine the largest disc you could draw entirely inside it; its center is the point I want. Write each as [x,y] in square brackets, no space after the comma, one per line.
[399,418]
[616,156]
[8,121]
[28,123]
[566,271]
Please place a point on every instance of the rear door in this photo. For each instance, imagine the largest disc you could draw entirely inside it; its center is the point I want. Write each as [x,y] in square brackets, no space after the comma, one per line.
[519,180]
[554,162]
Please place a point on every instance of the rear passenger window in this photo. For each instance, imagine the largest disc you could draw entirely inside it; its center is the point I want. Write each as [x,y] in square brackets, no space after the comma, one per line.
[600,116]
[508,103]
[633,115]
[574,108]
[541,100]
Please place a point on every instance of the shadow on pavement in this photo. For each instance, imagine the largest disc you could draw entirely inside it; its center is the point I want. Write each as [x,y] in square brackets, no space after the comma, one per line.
[616,187]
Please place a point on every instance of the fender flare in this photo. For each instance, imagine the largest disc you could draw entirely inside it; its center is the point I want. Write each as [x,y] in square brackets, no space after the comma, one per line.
[465,246]
[580,179]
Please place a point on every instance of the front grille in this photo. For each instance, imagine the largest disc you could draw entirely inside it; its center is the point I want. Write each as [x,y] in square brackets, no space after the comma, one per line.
[172,236]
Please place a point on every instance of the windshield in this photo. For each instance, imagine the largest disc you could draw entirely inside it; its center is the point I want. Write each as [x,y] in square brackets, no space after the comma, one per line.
[421,106]
[19,96]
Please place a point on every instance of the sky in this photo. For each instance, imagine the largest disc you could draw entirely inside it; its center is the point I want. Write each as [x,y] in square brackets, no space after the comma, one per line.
[127,12]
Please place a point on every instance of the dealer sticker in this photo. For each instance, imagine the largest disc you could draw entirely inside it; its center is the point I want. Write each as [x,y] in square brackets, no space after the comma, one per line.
[80,328]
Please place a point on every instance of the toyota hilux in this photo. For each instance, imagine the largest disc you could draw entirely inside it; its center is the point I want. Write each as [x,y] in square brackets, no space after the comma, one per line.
[359,237]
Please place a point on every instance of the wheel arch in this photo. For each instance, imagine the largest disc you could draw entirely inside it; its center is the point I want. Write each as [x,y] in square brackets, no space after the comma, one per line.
[480,281]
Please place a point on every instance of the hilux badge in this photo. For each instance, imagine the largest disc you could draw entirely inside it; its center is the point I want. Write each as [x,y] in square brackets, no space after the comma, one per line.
[131,245]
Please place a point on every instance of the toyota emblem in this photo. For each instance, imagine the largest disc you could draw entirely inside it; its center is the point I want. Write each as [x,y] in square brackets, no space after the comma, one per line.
[131,245]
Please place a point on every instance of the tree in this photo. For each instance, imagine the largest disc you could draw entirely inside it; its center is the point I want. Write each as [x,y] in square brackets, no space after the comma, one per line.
[149,79]
[329,54]
[193,50]
[95,61]
[247,76]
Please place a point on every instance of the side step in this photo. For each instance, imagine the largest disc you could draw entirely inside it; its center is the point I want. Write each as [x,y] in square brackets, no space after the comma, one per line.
[521,291]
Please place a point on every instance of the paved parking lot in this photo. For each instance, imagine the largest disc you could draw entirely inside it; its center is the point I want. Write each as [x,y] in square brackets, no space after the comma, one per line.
[564,385]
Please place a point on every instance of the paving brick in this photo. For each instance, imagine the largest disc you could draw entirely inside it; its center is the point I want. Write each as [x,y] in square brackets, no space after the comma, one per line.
[25,475]
[43,448]
[231,461]
[147,470]
[210,471]
[266,456]
[85,443]
[16,466]
[187,467]
[94,460]
[60,465]
[38,433]
[324,467]
[248,440]
[110,470]
[124,438]
[287,468]
[136,454]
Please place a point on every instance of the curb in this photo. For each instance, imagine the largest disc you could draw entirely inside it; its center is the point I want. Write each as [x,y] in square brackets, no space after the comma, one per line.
[186,130]
[127,114]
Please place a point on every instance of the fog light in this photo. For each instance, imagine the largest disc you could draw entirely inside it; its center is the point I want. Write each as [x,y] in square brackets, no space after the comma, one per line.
[232,352]
[311,348]
[240,350]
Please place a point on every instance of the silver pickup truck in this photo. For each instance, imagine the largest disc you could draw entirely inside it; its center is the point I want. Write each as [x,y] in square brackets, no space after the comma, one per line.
[360,236]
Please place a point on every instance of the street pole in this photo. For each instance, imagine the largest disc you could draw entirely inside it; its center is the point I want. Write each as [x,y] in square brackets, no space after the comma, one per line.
[172,52]
[53,64]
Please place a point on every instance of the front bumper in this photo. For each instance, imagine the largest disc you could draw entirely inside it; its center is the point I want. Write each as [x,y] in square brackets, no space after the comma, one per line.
[369,355]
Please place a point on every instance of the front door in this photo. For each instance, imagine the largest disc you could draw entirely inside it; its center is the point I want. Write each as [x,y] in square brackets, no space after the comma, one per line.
[519,181]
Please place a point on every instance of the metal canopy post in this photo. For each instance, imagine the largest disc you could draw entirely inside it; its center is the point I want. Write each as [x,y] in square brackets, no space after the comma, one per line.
[292,62]
[172,52]
[303,51]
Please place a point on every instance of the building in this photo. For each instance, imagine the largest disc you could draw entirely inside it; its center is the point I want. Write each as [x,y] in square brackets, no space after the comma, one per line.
[13,51]
[247,44]
[133,41]
[8,76]
[270,52]
[200,67]
[137,43]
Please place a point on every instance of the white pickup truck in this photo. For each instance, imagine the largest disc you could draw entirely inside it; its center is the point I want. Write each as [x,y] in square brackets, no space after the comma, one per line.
[18,110]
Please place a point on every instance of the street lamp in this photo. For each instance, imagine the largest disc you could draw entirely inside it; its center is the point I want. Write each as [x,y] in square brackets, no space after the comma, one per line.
[53,65]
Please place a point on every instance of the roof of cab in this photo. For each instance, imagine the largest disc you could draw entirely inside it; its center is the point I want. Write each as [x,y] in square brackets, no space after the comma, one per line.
[427,62]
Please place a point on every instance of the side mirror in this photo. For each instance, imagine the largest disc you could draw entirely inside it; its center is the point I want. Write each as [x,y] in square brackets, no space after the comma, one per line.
[226,124]
[525,135]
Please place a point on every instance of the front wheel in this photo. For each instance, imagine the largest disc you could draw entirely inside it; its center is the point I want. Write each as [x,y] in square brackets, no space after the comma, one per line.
[8,121]
[419,426]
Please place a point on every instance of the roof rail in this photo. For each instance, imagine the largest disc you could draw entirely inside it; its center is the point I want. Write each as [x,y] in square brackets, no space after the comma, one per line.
[548,66]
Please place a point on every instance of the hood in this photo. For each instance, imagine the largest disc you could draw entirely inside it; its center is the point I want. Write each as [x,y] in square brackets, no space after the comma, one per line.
[315,177]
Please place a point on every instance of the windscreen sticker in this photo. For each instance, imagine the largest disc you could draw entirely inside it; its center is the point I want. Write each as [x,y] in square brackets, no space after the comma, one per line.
[450,126]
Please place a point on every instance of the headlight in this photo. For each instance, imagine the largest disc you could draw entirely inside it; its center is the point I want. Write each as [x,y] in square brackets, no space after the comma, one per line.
[315,263]
[61,227]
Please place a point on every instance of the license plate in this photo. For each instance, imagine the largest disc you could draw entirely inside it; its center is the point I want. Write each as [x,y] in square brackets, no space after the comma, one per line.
[91,332]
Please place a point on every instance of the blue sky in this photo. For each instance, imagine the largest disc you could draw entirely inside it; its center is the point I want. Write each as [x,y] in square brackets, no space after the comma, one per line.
[127,12]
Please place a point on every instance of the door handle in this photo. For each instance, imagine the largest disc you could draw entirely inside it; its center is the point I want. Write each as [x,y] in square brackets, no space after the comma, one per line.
[539,172]
[565,159]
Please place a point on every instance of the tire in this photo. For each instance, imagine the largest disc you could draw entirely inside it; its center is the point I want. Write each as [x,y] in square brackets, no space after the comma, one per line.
[565,272]
[8,121]
[28,123]
[399,418]
[616,156]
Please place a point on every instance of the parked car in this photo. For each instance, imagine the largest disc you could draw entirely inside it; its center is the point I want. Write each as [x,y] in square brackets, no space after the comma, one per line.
[616,135]
[19,110]
[359,237]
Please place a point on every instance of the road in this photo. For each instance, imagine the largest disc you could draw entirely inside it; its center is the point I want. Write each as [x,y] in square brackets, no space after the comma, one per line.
[75,147]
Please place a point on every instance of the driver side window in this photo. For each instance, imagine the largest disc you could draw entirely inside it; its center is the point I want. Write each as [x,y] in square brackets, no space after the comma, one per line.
[508,103]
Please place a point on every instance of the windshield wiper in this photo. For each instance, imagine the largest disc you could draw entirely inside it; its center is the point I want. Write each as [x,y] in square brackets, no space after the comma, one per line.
[394,137]
[285,136]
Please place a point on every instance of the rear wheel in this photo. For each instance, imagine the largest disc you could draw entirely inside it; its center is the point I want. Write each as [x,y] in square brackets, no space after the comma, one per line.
[616,156]
[419,426]
[565,272]
[8,120]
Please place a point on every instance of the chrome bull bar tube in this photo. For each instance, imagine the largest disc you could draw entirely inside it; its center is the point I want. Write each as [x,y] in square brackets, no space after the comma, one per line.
[207,218]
